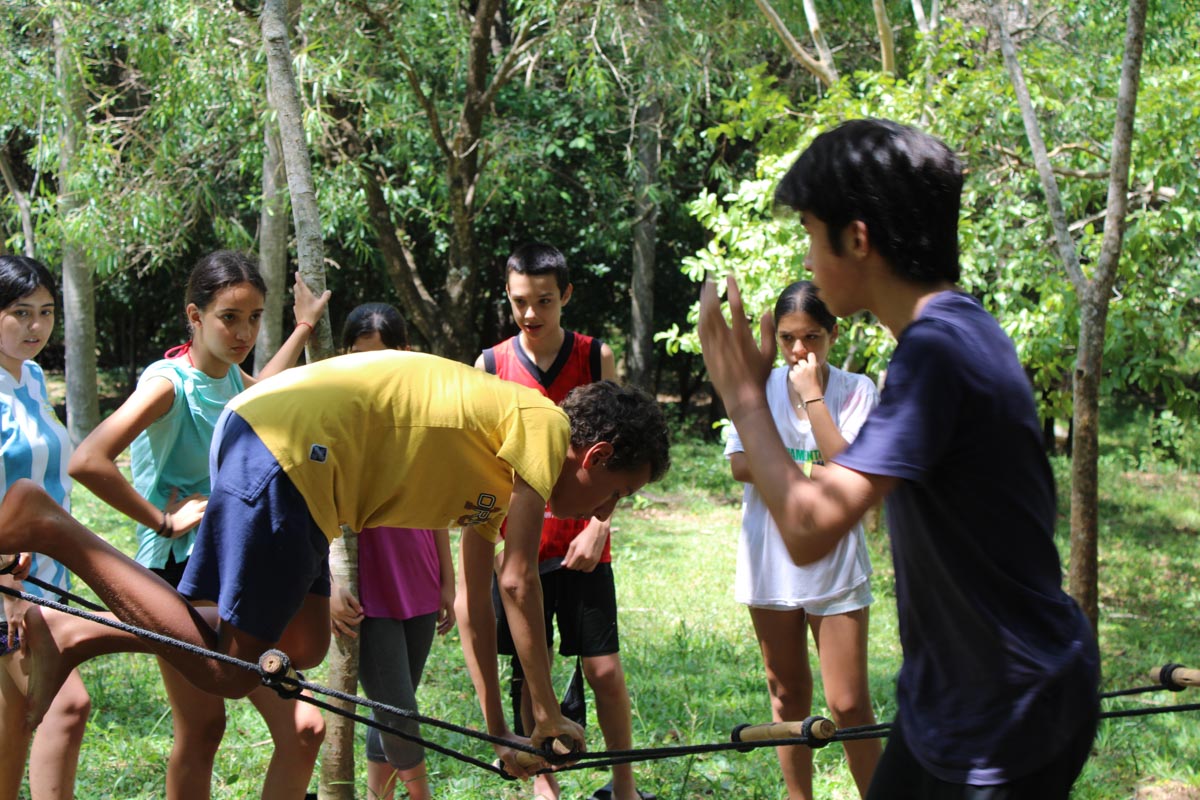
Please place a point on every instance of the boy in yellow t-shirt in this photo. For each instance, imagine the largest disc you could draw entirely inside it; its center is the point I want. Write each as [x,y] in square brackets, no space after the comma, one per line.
[389,438]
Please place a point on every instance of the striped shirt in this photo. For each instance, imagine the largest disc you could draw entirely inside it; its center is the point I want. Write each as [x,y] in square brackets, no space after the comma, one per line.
[34,445]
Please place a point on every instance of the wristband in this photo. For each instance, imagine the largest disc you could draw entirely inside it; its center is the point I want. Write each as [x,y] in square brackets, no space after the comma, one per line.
[302,322]
[162,529]
[804,403]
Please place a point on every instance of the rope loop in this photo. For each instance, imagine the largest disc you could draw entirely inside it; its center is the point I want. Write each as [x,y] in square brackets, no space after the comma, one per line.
[1166,676]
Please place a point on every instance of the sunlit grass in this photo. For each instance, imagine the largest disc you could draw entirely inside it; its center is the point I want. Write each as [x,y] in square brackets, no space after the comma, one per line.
[692,664]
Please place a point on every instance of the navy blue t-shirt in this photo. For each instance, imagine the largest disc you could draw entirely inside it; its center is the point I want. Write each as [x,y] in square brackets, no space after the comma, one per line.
[1000,664]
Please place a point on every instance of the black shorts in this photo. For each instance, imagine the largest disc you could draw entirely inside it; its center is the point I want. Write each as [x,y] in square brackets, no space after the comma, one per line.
[585,604]
[172,571]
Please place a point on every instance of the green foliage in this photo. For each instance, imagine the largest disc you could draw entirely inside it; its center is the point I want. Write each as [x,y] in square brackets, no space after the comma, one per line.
[962,95]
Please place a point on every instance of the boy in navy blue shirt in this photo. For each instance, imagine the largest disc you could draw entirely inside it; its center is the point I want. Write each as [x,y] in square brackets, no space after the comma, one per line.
[997,695]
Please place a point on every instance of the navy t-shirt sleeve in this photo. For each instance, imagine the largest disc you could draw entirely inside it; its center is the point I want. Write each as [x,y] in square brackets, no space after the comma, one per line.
[913,426]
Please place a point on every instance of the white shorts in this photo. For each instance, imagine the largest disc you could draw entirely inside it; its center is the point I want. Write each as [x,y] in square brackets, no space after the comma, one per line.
[852,600]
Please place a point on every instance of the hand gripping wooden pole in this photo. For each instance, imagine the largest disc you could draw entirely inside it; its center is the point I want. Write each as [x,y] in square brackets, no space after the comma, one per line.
[1175,677]
[563,745]
[817,730]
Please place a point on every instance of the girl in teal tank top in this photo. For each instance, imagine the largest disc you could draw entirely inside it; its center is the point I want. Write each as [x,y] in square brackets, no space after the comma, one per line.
[167,423]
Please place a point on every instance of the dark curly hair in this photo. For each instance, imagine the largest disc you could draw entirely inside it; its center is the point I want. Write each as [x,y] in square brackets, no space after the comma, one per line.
[627,418]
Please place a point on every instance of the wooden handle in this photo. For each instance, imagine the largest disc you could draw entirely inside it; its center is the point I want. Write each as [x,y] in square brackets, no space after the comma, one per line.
[562,745]
[276,664]
[817,728]
[1174,673]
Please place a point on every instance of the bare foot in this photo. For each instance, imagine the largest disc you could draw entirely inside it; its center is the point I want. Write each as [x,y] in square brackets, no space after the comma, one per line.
[24,515]
[43,665]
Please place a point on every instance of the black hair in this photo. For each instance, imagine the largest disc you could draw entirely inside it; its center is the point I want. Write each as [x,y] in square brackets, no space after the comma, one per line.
[536,258]
[220,270]
[370,318]
[625,417]
[803,296]
[902,183]
[20,276]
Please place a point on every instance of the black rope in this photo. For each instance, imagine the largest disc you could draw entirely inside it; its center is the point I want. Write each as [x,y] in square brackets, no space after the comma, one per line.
[287,686]
[291,685]
[63,593]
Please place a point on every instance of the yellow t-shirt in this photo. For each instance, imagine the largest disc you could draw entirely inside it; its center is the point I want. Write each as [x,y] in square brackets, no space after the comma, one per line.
[406,440]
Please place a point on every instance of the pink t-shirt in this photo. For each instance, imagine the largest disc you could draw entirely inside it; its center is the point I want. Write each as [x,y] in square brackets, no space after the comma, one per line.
[399,574]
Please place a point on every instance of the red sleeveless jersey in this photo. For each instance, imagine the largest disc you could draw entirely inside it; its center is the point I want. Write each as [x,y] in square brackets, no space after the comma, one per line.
[577,363]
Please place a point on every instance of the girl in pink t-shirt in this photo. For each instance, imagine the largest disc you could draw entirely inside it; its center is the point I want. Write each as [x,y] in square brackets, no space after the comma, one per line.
[406,592]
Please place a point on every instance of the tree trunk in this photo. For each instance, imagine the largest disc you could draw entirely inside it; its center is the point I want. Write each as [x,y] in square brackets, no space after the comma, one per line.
[337,753]
[1093,295]
[640,357]
[337,764]
[79,304]
[1083,572]
[272,246]
[285,100]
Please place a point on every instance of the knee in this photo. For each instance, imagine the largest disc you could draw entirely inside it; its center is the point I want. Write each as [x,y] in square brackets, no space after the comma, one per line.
[605,675]
[402,754]
[850,709]
[71,710]
[791,699]
[310,731]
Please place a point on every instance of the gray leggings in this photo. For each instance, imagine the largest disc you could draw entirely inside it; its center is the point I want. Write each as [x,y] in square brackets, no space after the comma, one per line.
[391,658]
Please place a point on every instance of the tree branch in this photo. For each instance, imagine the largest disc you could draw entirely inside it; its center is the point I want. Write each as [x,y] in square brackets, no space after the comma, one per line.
[823,70]
[1058,216]
[887,44]
[1118,186]
[20,198]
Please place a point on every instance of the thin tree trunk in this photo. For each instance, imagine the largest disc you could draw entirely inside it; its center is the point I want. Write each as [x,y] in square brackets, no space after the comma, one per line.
[337,762]
[79,305]
[272,246]
[1093,295]
[640,359]
[285,99]
[21,199]
[337,753]
[887,44]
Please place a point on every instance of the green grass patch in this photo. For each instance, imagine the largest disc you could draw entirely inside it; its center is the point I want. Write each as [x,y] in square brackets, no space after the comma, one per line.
[692,663]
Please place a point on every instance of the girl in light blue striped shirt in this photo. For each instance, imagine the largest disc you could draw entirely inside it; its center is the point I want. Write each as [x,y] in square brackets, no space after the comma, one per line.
[33,445]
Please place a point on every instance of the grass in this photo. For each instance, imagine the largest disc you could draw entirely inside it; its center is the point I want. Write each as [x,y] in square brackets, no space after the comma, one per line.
[693,667]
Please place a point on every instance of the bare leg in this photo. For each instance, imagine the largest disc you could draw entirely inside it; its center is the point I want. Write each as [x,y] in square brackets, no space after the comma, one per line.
[297,730]
[607,679]
[783,640]
[842,644]
[198,720]
[30,519]
[54,757]
[14,733]
[381,781]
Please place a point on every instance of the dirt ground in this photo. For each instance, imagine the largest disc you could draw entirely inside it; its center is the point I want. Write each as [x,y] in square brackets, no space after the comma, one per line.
[1167,790]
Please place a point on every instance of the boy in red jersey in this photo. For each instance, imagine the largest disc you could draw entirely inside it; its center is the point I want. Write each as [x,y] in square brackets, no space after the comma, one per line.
[574,557]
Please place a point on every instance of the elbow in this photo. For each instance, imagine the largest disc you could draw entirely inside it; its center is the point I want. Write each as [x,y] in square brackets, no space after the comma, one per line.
[81,467]
[807,544]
